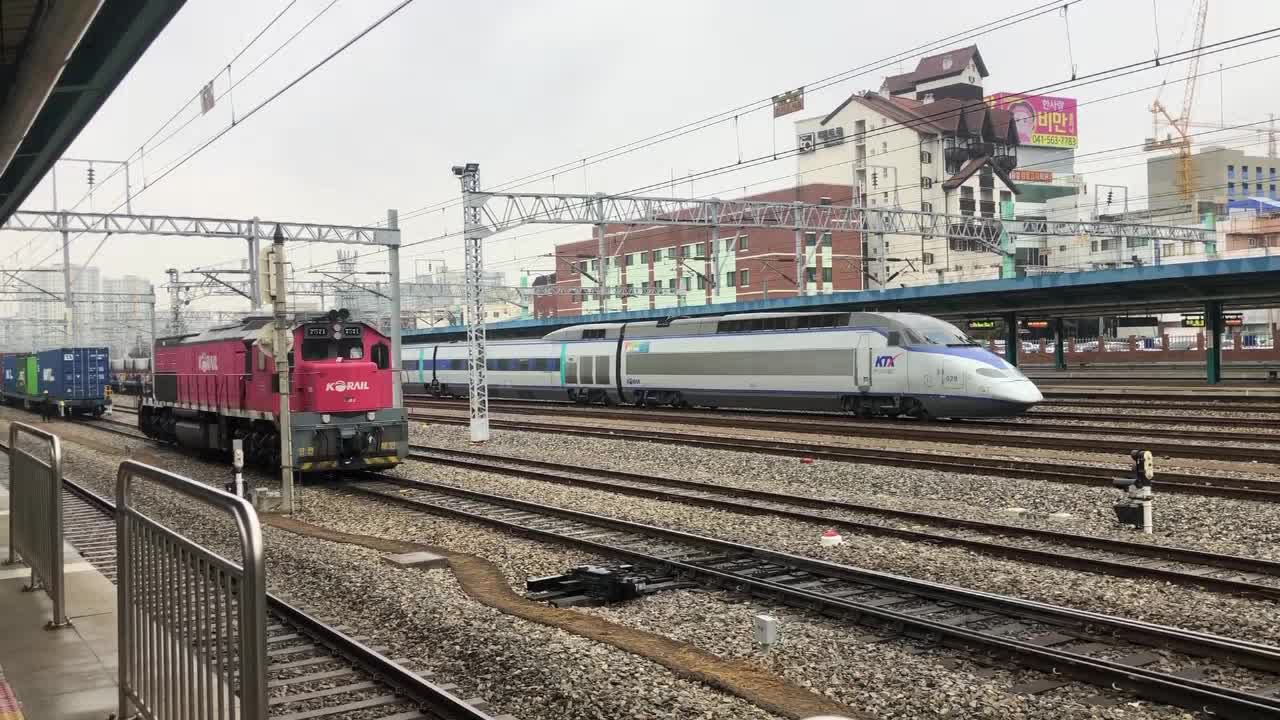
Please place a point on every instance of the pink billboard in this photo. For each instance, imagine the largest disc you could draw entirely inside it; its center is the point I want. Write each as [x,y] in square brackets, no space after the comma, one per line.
[1041,119]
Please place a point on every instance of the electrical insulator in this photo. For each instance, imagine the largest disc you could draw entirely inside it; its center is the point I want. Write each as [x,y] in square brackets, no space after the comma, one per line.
[90,176]
[1108,197]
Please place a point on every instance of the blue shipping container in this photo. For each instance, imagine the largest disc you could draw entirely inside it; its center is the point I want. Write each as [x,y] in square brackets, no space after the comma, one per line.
[9,370]
[76,375]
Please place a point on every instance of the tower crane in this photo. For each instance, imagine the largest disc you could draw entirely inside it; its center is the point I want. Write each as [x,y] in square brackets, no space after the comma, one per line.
[1181,125]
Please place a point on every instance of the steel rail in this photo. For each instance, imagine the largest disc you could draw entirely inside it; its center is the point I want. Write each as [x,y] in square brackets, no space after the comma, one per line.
[429,697]
[1209,486]
[520,516]
[712,495]
[956,434]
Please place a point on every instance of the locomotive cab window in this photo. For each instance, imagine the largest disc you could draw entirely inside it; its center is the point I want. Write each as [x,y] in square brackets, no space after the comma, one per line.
[380,356]
[351,348]
[315,349]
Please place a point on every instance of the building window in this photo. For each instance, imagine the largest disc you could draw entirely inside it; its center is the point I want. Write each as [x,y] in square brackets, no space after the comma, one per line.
[1273,191]
[671,253]
[671,284]
[702,282]
[1137,242]
[967,204]
[926,207]
[728,244]
[811,239]
[1005,196]
[1231,172]
[644,258]
[687,282]
[810,274]
[1259,189]
[744,277]
[729,279]
[630,259]
[1258,173]
[1231,189]
[573,268]
[826,275]
[595,266]
[1244,172]
[742,242]
[826,240]
[686,250]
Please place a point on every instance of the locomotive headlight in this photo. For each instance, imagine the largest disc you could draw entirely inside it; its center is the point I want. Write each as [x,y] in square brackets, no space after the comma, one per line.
[325,418]
[371,415]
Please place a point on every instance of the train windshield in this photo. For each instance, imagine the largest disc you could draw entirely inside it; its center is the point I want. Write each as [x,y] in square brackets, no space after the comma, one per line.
[931,331]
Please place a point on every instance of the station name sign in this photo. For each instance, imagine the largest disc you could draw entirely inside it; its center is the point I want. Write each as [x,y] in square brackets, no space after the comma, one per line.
[1228,320]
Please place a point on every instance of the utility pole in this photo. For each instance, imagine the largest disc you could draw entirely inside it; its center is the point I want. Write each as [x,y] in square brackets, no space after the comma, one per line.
[477,357]
[67,292]
[255,290]
[151,307]
[393,260]
[602,275]
[281,307]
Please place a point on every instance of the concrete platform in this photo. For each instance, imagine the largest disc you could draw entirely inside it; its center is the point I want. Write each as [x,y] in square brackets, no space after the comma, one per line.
[68,673]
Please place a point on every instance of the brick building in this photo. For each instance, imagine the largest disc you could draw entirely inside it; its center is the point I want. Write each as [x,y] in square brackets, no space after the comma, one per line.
[663,266]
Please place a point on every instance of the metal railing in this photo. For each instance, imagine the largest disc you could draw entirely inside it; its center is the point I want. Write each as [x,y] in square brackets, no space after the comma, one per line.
[35,514]
[192,624]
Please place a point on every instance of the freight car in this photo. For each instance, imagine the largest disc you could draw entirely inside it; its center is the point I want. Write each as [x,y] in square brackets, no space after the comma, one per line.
[74,377]
[864,363]
[220,385]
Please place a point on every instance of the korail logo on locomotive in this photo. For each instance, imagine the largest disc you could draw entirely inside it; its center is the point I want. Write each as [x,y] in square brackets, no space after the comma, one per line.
[345,385]
[207,362]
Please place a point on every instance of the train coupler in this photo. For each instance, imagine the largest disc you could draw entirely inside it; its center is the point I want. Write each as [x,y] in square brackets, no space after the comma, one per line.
[1136,510]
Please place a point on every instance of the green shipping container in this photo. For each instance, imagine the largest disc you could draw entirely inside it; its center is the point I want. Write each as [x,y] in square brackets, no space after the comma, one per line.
[33,377]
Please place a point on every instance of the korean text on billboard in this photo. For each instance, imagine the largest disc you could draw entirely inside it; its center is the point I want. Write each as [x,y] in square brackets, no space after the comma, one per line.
[1041,119]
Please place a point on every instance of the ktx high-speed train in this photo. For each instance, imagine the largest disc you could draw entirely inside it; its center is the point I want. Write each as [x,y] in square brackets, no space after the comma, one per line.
[865,363]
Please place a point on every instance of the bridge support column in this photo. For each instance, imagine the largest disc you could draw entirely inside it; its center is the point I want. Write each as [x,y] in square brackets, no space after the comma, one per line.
[1011,342]
[1213,342]
[1059,345]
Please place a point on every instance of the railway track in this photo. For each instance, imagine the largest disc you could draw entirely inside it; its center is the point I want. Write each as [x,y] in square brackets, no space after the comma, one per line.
[1164,664]
[1028,418]
[932,432]
[1211,571]
[1211,486]
[316,670]
[1268,405]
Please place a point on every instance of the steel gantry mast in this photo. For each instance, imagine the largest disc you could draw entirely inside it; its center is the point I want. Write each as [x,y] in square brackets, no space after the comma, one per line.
[473,298]
[254,231]
[487,213]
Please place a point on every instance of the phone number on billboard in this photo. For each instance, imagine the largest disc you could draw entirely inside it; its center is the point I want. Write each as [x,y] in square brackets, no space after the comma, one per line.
[1069,141]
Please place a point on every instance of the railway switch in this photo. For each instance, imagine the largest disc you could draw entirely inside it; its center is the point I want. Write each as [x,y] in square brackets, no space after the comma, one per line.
[1135,510]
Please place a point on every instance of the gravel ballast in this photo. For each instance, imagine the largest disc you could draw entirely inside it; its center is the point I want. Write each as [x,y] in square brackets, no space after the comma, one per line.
[424,616]
[1215,524]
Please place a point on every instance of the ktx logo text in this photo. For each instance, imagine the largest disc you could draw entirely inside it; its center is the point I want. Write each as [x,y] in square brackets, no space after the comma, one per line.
[343,386]
[887,361]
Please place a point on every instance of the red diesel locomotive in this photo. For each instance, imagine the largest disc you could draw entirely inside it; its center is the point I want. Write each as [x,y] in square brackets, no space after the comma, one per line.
[213,387]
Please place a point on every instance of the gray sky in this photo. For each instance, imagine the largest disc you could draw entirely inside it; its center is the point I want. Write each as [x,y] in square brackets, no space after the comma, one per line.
[521,87]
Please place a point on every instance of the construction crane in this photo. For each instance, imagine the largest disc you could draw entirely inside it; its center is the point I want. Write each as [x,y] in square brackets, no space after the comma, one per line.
[1181,125]
[1269,134]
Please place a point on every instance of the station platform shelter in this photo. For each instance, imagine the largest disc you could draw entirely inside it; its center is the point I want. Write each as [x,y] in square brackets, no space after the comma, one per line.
[1211,287]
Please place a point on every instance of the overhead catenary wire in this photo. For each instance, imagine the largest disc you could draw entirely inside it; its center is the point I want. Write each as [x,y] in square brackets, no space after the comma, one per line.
[264,103]
[1115,72]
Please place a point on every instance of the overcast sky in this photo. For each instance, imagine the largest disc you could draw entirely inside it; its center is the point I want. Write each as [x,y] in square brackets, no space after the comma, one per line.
[521,87]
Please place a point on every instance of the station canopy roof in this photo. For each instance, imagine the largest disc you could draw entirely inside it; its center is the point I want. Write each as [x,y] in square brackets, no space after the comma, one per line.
[59,61]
